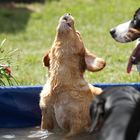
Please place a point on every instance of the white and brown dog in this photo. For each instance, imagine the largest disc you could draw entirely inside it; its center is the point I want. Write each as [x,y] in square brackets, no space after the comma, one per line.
[66,96]
[127,32]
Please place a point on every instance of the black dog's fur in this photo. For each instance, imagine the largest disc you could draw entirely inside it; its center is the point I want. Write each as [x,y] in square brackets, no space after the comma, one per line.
[133,128]
[112,110]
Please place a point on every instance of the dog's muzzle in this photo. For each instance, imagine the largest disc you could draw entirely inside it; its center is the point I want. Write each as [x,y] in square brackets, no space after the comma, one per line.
[65,23]
[66,17]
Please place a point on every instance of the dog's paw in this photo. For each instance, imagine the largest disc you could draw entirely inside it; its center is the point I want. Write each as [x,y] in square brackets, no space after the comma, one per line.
[95,90]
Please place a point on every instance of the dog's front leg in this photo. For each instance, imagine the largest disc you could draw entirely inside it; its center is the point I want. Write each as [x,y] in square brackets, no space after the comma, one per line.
[47,119]
[43,120]
[95,90]
[73,131]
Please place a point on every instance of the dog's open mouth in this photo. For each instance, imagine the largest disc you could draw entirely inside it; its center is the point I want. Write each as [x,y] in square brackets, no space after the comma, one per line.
[67,19]
[69,24]
[66,24]
[134,57]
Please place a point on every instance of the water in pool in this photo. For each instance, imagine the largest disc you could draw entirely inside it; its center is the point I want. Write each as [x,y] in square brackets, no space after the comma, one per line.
[36,134]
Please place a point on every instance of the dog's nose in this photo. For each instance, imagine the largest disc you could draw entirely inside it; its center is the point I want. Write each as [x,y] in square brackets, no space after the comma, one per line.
[65,17]
[112,32]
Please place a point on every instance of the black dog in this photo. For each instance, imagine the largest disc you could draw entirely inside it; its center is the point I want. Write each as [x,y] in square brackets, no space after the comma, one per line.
[111,112]
[133,128]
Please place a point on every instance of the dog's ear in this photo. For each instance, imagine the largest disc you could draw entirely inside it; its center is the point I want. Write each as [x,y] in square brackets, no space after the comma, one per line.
[46,60]
[136,19]
[96,111]
[93,63]
[137,14]
[108,104]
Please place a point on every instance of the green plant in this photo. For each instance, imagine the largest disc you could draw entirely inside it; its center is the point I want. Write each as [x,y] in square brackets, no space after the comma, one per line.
[6,77]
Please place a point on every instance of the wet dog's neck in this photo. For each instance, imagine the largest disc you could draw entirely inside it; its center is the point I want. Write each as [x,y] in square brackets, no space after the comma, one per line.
[66,63]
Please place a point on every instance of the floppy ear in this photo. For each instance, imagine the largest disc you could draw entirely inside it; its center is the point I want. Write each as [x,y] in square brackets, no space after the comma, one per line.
[108,104]
[46,60]
[96,112]
[93,63]
[137,13]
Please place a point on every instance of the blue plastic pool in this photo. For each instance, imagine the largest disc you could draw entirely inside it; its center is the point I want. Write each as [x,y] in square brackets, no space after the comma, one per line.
[20,112]
[19,106]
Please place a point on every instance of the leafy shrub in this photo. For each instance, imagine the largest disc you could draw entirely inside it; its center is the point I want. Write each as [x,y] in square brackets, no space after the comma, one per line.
[6,77]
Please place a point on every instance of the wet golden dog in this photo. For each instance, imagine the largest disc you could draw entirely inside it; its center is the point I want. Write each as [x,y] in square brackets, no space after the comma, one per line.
[66,96]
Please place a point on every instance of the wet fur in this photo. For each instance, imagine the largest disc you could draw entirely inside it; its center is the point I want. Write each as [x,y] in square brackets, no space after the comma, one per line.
[66,96]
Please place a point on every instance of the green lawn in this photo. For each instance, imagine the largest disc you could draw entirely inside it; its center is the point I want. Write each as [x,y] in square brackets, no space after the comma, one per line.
[32,31]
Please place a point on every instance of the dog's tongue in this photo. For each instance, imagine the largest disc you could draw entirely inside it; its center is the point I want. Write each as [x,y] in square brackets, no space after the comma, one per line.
[134,56]
[129,67]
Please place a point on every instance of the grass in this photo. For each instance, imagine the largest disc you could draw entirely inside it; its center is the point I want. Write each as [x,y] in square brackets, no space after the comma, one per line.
[31,29]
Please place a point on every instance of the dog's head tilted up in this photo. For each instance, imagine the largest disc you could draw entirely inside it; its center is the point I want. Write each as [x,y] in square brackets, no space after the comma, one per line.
[66,25]
[66,95]
[70,48]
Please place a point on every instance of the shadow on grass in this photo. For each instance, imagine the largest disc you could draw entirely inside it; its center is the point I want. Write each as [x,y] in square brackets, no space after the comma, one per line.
[13,19]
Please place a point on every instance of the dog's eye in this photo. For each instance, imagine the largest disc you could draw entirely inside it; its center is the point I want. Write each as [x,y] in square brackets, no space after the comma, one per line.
[135,23]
